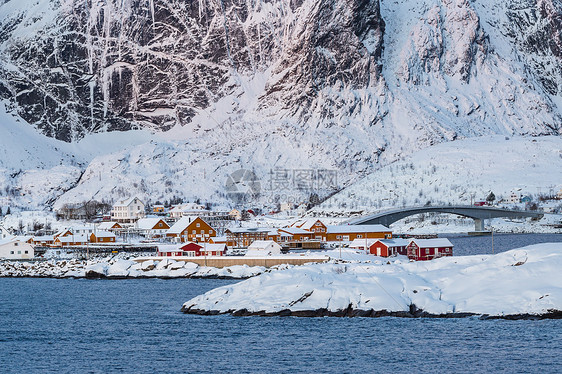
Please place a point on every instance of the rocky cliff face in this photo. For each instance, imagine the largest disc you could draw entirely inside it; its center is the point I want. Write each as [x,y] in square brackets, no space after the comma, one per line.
[73,67]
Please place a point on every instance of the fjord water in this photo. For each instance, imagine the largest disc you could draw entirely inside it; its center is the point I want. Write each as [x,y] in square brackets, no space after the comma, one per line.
[102,326]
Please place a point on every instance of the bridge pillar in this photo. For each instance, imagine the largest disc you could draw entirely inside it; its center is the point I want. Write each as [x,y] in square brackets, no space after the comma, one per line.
[478,224]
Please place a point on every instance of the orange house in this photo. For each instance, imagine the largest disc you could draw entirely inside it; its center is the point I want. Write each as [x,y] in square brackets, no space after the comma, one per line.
[61,233]
[102,237]
[352,232]
[298,234]
[313,225]
[191,229]
[63,241]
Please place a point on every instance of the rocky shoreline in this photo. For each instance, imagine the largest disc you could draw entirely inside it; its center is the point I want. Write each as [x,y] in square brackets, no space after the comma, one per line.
[123,268]
[371,313]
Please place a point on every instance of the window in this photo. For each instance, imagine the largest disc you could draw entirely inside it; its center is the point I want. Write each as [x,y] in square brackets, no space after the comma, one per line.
[359,236]
[198,225]
[19,252]
[210,231]
[11,252]
[427,251]
[193,232]
[338,236]
[26,252]
[16,244]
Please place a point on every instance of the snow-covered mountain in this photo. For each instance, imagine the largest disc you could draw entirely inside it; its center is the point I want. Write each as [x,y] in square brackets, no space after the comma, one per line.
[344,85]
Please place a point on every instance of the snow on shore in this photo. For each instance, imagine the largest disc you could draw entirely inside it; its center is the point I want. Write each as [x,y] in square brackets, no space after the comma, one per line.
[123,268]
[521,281]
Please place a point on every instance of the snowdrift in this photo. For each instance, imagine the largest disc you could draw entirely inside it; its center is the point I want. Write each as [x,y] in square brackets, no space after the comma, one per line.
[520,283]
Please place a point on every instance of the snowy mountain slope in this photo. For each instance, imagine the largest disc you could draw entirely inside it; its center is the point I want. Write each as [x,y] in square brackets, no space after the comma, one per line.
[36,169]
[348,85]
[458,172]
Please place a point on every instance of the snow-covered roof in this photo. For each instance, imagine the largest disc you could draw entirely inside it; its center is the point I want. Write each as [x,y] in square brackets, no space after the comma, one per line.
[127,202]
[148,223]
[398,242]
[106,225]
[73,239]
[180,225]
[43,238]
[239,230]
[23,238]
[263,244]
[347,229]
[305,224]
[214,247]
[219,239]
[61,232]
[361,243]
[432,243]
[8,240]
[295,230]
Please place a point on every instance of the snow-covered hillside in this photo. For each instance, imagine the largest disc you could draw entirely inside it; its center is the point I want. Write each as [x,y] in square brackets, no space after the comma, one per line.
[35,169]
[458,172]
[499,285]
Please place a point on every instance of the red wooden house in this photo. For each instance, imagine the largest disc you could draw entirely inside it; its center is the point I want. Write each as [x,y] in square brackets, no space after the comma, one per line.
[381,247]
[428,249]
[195,250]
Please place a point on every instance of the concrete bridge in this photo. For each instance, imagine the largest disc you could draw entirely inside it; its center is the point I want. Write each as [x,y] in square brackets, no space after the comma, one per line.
[477,213]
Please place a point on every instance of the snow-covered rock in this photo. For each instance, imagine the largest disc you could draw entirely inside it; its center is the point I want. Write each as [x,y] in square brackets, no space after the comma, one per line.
[524,281]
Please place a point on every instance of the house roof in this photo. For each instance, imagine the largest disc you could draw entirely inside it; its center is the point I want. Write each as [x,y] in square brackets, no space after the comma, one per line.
[127,202]
[73,239]
[263,244]
[107,225]
[306,224]
[43,238]
[239,230]
[432,243]
[149,223]
[61,232]
[180,225]
[295,230]
[348,229]
[214,247]
[360,243]
[398,242]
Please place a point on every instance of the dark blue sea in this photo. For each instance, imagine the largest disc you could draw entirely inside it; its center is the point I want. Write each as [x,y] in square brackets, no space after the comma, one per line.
[135,326]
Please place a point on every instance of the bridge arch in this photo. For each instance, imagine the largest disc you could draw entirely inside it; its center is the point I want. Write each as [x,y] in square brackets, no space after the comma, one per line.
[477,213]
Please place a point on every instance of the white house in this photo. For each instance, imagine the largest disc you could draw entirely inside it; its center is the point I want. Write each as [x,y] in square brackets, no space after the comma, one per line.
[83,230]
[13,249]
[129,210]
[262,248]
[514,197]
[188,209]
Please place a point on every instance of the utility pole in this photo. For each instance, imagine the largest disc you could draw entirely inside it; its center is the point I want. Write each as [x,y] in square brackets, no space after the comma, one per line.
[493,252]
